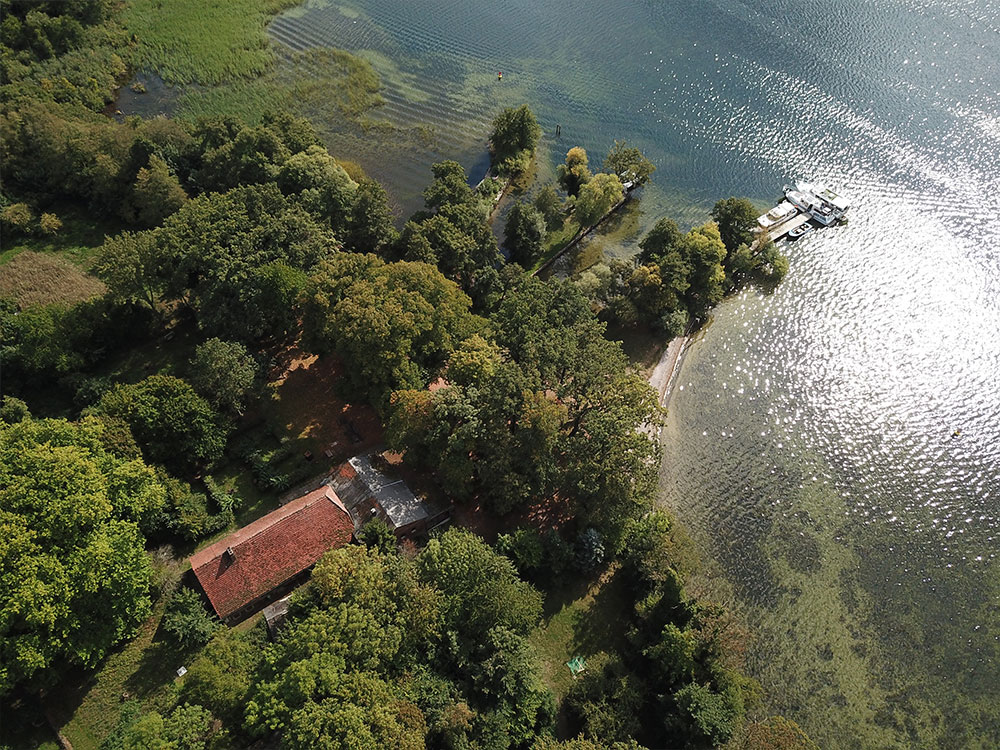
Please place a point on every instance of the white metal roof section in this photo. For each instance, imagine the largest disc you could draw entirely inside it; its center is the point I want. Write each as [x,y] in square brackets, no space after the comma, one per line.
[396,500]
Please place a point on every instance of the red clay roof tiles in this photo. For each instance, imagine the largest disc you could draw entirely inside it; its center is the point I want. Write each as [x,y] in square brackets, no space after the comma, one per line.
[271,550]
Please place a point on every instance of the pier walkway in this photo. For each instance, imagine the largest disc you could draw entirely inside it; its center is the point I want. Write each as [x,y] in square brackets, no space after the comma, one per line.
[784,228]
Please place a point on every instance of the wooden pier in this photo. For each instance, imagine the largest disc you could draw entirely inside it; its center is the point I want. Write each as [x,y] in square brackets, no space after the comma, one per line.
[787,226]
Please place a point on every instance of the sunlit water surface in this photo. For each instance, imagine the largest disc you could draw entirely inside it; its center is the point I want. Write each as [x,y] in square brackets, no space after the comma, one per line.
[811,443]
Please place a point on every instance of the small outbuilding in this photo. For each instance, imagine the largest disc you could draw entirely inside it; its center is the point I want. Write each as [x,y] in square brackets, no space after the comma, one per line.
[258,564]
[368,492]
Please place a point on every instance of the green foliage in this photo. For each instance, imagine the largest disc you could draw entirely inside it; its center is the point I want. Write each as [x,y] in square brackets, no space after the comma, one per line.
[221,677]
[511,428]
[187,621]
[737,220]
[589,552]
[539,557]
[200,42]
[129,263]
[574,173]
[173,425]
[377,535]
[13,410]
[551,205]
[515,136]
[628,163]
[187,727]
[157,193]
[186,513]
[370,228]
[217,246]
[224,373]
[480,587]
[712,717]
[523,234]
[322,186]
[73,572]
[450,186]
[323,682]
[49,224]
[596,198]
[17,218]
[395,324]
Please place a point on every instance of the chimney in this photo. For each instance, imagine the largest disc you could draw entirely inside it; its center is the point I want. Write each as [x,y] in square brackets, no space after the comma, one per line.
[230,553]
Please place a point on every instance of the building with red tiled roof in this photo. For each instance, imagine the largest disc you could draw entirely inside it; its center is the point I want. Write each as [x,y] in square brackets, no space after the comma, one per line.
[257,564]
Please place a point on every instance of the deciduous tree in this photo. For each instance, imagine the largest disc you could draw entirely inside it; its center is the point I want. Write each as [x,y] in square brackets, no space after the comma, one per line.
[173,425]
[523,234]
[597,197]
[223,372]
[574,173]
[73,572]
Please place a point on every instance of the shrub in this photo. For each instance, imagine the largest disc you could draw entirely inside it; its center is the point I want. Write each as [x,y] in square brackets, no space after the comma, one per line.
[50,224]
[17,217]
[589,550]
[376,534]
[13,410]
[187,621]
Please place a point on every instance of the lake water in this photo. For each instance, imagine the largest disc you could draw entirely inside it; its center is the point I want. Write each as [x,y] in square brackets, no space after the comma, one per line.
[811,444]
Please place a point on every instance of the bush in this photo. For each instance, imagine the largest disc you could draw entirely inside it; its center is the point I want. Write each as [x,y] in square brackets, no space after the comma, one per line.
[589,551]
[17,217]
[225,502]
[539,557]
[50,224]
[376,534]
[187,621]
[13,410]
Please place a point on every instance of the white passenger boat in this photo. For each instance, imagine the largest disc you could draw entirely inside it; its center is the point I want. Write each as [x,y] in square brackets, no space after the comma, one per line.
[777,215]
[824,205]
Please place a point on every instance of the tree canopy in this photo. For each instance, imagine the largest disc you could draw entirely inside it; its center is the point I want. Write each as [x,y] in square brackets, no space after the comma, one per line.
[523,233]
[173,425]
[596,198]
[515,135]
[628,163]
[575,172]
[73,573]
[392,324]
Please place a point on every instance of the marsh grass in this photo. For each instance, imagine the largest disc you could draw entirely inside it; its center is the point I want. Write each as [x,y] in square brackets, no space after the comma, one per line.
[31,278]
[202,41]
[333,83]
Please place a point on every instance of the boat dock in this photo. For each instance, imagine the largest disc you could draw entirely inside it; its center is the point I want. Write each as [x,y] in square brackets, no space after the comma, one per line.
[784,228]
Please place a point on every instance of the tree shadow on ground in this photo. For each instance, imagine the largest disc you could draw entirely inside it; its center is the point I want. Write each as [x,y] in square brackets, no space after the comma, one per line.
[602,626]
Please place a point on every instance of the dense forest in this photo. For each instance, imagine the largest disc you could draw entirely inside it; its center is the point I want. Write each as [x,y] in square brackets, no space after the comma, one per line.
[159,275]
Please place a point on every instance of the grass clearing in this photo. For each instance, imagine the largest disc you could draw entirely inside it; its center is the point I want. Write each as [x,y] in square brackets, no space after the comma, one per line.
[584,619]
[32,278]
[203,41]
[143,669]
[556,241]
[78,241]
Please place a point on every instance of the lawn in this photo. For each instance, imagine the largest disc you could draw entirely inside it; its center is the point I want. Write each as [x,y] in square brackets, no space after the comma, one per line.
[78,241]
[142,669]
[583,619]
[555,242]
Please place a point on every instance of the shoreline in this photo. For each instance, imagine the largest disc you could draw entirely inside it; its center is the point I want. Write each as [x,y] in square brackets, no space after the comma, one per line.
[663,373]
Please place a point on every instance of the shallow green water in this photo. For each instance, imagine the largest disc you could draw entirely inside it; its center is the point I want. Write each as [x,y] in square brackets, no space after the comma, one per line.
[809,444]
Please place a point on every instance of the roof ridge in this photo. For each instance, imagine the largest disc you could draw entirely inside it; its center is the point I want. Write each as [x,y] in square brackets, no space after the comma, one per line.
[300,509]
